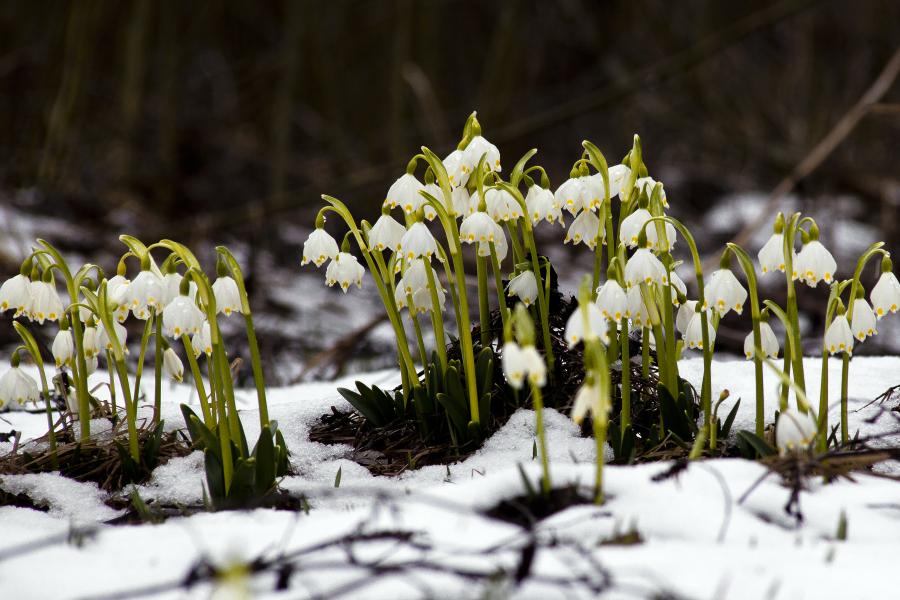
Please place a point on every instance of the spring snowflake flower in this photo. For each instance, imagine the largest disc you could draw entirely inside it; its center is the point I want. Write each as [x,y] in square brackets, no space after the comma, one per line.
[571,196]
[500,245]
[479,227]
[585,228]
[201,342]
[386,233]
[644,267]
[173,365]
[794,430]
[590,399]
[90,364]
[421,300]
[454,166]
[416,278]
[462,202]
[521,361]
[612,300]
[472,154]
[693,335]
[618,180]
[104,341]
[724,292]
[886,294]
[319,247]
[435,190]
[636,308]
[814,264]
[768,340]
[685,314]
[863,323]
[17,293]
[771,256]
[117,288]
[171,283]
[633,223]
[524,286]
[47,305]
[501,206]
[647,184]
[17,387]
[678,285]
[405,194]
[345,269]
[418,241]
[63,348]
[542,204]
[144,293]
[575,328]
[182,317]
[90,341]
[228,296]
[839,336]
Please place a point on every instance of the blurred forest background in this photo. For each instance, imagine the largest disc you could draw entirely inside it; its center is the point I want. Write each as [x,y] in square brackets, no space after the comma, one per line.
[222,122]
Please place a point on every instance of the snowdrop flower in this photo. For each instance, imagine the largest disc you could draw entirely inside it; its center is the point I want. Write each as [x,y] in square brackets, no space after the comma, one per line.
[386,233]
[47,305]
[570,196]
[144,293]
[585,228]
[182,317]
[636,308]
[814,264]
[685,314]
[768,340]
[17,293]
[171,283]
[592,191]
[416,278]
[501,206]
[421,301]
[612,300]
[117,289]
[418,241]
[724,292]
[201,342]
[886,294]
[634,223]
[524,286]
[173,365]
[228,296]
[104,341]
[693,336]
[678,285]
[319,247]
[794,430]
[462,202]
[473,152]
[521,361]
[589,399]
[501,246]
[575,328]
[63,347]
[345,269]
[542,204]
[90,341]
[839,336]
[405,194]
[771,257]
[644,267]
[479,227]
[17,387]
[454,165]
[618,180]
[863,320]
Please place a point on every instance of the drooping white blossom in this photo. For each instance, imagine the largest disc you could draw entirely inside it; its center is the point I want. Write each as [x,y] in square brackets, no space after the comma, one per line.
[814,264]
[386,233]
[479,227]
[17,387]
[405,193]
[173,365]
[768,341]
[473,152]
[839,336]
[589,398]
[693,335]
[597,325]
[319,247]
[524,286]
[644,267]
[585,228]
[724,293]
[344,270]
[771,256]
[16,293]
[863,321]
[228,296]
[63,348]
[794,430]
[47,305]
[885,295]
[612,301]
[182,317]
[418,241]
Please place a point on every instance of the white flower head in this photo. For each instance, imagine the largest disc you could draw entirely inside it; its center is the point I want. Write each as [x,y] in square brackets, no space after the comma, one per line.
[585,228]
[693,336]
[863,322]
[319,247]
[438,194]
[345,269]
[794,430]
[685,314]
[886,294]
[119,331]
[47,305]
[171,285]
[501,206]
[612,300]
[644,267]
[724,293]
[90,341]
[386,234]
[117,289]
[479,227]
[771,256]
[646,184]
[839,336]
[521,361]
[144,293]
[462,202]
[678,285]
[405,194]
[597,325]
[173,365]
[814,264]
[16,293]
[768,340]
[416,278]
[454,166]
[473,152]
[17,387]
[201,342]
[63,348]
[228,296]
[590,399]
[418,241]
[421,301]
[501,246]
[90,364]
[634,223]
[618,180]
[570,196]
[182,317]
[542,204]
[524,286]
[636,308]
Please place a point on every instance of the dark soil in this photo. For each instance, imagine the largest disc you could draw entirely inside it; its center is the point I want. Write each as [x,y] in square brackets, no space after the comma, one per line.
[527,510]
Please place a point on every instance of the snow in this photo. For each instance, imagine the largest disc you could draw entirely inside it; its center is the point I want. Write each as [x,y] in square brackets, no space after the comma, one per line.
[424,534]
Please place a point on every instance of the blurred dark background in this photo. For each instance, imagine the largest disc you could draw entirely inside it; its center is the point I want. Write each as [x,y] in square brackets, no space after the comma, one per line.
[223,122]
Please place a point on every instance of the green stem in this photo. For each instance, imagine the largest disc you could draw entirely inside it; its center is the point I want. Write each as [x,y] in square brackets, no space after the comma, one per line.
[198,380]
[538,404]
[484,308]
[157,404]
[518,254]
[402,343]
[139,371]
[790,231]
[112,385]
[436,318]
[498,281]
[626,376]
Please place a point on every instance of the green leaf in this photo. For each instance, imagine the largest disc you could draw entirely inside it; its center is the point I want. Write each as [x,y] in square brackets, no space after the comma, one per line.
[192,429]
[265,462]
[242,480]
[474,430]
[752,445]
[529,489]
[151,449]
[245,447]
[364,406]
[130,468]
[615,439]
[282,468]
[453,385]
[726,428]
[337,478]
[484,371]
[627,449]
[516,175]
[209,438]
[674,418]
[653,437]
[484,409]
[458,411]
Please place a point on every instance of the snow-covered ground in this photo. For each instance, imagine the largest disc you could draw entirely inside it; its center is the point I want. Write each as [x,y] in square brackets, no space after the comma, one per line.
[424,534]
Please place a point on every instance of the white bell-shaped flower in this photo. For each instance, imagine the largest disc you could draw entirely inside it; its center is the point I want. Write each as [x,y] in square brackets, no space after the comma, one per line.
[16,293]
[501,246]
[462,202]
[636,308]
[104,341]
[473,152]
[618,180]
[685,314]
[422,300]
[570,196]
[535,366]
[724,293]
[585,228]
[479,227]
[612,301]
[633,223]
[117,290]
[678,286]
[182,317]
[597,325]
[863,322]
[418,241]
[228,296]
[345,269]
[90,341]
[814,264]
[839,336]
[91,364]
[693,336]
[438,194]
[144,293]
[644,267]
[646,184]
[416,278]
[454,166]
[513,362]
[63,348]
[17,387]
[542,204]
[171,283]
[590,399]
[319,247]
[886,294]
[501,206]
[173,365]
[201,342]
[771,256]
[794,430]
[47,305]
[405,194]
[386,234]
[524,286]
[770,345]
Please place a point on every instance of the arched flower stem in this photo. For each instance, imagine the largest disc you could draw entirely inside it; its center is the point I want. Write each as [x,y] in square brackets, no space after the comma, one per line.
[35,352]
